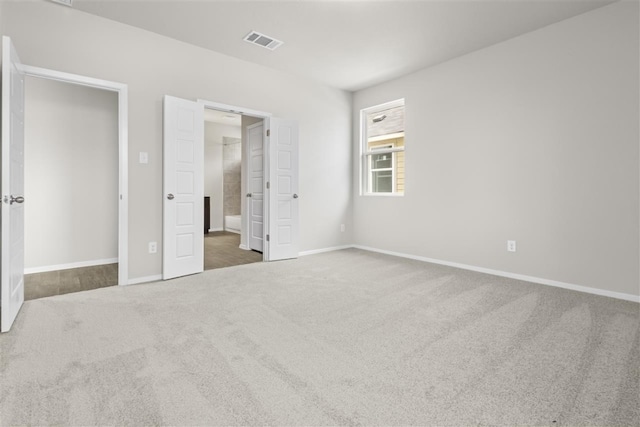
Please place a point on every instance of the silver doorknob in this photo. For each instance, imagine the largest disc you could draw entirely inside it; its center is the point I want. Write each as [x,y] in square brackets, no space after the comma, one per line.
[18,199]
[248,194]
[170,196]
[295,196]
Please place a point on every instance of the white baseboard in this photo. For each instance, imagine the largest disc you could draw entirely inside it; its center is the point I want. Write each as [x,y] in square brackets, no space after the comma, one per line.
[319,251]
[216,229]
[146,279]
[57,267]
[244,247]
[548,282]
[231,230]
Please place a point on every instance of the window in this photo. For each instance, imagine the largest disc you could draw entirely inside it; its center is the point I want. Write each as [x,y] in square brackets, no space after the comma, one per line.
[383,149]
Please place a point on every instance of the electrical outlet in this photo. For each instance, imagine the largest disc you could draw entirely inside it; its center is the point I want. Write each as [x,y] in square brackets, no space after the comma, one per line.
[342,228]
[153,247]
[511,245]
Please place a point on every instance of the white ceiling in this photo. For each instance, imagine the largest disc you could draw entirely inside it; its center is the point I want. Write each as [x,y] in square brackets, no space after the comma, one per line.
[348,44]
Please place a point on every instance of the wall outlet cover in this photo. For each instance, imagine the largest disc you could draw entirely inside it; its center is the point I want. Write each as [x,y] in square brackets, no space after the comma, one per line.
[144,157]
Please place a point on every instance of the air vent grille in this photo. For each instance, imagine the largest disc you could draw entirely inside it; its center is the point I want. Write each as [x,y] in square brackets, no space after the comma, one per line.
[260,39]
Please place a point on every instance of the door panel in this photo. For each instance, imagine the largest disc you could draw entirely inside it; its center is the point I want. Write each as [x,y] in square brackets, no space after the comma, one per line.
[256,173]
[12,264]
[183,199]
[283,199]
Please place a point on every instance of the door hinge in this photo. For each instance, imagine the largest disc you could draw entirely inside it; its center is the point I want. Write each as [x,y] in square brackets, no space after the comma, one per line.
[267,237]
[268,132]
[268,186]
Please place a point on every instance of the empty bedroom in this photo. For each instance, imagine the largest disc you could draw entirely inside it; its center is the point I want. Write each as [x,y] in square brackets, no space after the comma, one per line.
[421,213]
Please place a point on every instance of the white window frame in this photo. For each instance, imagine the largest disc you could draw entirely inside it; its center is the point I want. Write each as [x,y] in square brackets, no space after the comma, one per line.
[372,169]
[366,154]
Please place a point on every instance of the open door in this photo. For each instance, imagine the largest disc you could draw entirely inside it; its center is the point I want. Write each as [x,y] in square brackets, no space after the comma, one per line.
[183,207]
[283,192]
[255,196]
[12,264]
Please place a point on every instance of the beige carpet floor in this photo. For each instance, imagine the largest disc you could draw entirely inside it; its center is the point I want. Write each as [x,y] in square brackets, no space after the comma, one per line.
[342,338]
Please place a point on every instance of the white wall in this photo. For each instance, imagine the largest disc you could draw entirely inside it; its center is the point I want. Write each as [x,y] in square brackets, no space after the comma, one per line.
[534,139]
[232,166]
[61,38]
[71,174]
[213,167]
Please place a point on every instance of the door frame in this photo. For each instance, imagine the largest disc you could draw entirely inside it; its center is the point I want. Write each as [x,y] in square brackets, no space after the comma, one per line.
[123,152]
[265,116]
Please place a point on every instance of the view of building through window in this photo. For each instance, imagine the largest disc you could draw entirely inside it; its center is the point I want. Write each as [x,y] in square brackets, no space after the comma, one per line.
[383,159]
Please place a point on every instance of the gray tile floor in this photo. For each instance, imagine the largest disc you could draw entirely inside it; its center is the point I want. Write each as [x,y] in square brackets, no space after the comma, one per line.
[221,249]
[40,285]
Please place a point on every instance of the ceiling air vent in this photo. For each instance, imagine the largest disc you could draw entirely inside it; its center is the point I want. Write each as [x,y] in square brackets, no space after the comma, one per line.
[270,43]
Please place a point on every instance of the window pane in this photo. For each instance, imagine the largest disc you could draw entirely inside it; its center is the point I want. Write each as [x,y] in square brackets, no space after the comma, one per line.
[381,144]
[381,161]
[399,165]
[384,171]
[374,147]
[382,181]
[385,122]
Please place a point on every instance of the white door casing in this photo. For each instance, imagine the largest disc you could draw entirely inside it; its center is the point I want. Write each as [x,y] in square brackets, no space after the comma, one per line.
[283,192]
[183,198]
[255,195]
[12,263]
[280,201]
[123,144]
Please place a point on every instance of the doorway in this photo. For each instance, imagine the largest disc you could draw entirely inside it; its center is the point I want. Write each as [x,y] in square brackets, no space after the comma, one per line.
[183,185]
[71,188]
[12,175]
[225,136]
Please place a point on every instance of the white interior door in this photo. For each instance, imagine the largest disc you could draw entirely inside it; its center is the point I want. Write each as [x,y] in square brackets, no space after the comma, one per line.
[183,176]
[12,264]
[255,196]
[283,192]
